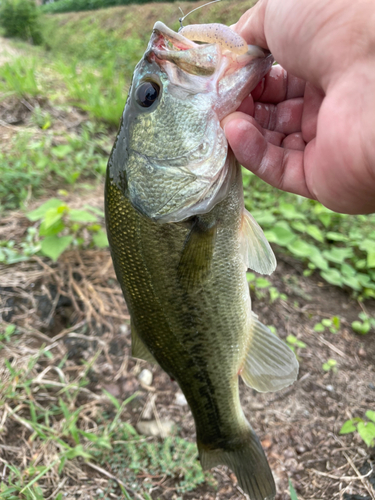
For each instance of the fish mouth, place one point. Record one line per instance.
(197, 58)
(167, 45)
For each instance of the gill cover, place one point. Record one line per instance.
(170, 155)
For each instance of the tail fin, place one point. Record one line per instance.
(248, 462)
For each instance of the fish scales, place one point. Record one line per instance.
(195, 323)
(181, 241)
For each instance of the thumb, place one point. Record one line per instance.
(251, 25)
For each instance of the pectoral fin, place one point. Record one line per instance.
(256, 250)
(139, 349)
(195, 263)
(269, 365)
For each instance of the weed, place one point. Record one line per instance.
(364, 324)
(59, 227)
(64, 434)
(262, 287)
(330, 366)
(333, 325)
(340, 247)
(366, 429)
(294, 343)
(19, 78)
(99, 92)
(132, 455)
(30, 165)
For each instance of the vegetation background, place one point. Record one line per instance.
(72, 401)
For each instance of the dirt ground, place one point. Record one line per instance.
(298, 426)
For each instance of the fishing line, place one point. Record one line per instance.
(184, 17)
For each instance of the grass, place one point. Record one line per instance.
(67, 427)
(19, 78)
(30, 165)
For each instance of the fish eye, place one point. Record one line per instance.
(147, 93)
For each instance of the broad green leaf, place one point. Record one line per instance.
(281, 234)
(299, 226)
(51, 230)
(81, 216)
(315, 233)
(370, 414)
(332, 276)
(371, 258)
(53, 215)
(291, 339)
(250, 277)
(348, 427)
(263, 218)
(319, 327)
(39, 212)
(355, 234)
(262, 283)
(367, 432)
(300, 248)
(367, 245)
(331, 235)
(100, 239)
(53, 246)
(317, 259)
(348, 270)
(361, 264)
(361, 328)
(326, 322)
(352, 282)
(338, 255)
(364, 279)
(325, 219)
(289, 211)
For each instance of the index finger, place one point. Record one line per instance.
(277, 86)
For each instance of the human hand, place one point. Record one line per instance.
(313, 133)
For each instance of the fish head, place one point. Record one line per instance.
(169, 158)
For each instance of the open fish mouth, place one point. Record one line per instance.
(174, 161)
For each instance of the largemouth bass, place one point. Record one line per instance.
(181, 241)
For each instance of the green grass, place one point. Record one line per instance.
(101, 91)
(30, 165)
(112, 32)
(19, 78)
(78, 5)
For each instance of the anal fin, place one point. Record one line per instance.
(139, 348)
(270, 365)
(256, 251)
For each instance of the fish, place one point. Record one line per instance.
(181, 240)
